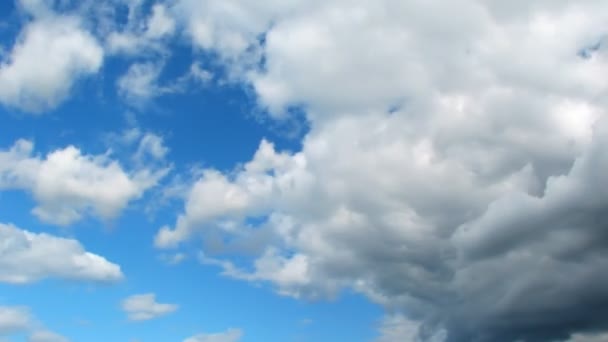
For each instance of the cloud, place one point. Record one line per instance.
(140, 83)
(46, 336)
(13, 319)
(151, 145)
(230, 335)
(397, 328)
(173, 259)
(70, 53)
(589, 338)
(26, 257)
(451, 170)
(160, 23)
(144, 307)
(68, 185)
(142, 35)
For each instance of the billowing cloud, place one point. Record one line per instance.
(27, 257)
(70, 53)
(452, 172)
(230, 335)
(144, 307)
(68, 184)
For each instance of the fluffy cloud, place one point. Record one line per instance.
(27, 257)
(70, 53)
(231, 335)
(144, 307)
(452, 170)
(68, 184)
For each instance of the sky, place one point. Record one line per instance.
(289, 170)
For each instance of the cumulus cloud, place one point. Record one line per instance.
(144, 307)
(26, 257)
(70, 53)
(452, 172)
(230, 335)
(68, 184)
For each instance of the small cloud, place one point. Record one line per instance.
(28, 257)
(46, 336)
(173, 259)
(144, 307)
(18, 320)
(14, 319)
(306, 321)
(230, 335)
(140, 83)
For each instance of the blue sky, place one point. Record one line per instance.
(374, 171)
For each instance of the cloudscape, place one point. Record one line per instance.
(303, 170)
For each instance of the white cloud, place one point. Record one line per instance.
(160, 23)
(13, 319)
(140, 82)
(199, 74)
(68, 184)
(230, 335)
(26, 257)
(142, 35)
(144, 307)
(451, 160)
(151, 145)
(70, 53)
(46, 336)
(173, 259)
